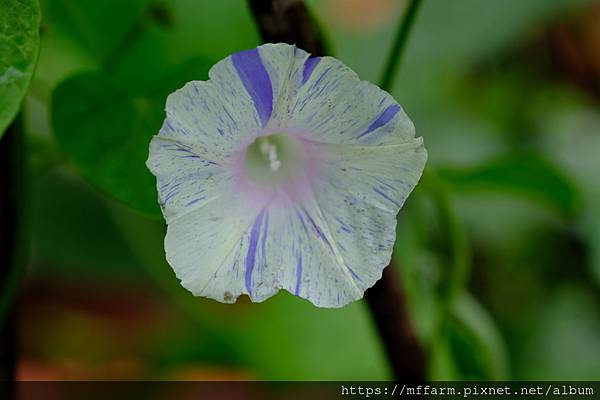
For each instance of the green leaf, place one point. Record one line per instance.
(105, 127)
(442, 365)
(19, 43)
(524, 174)
(106, 133)
(470, 348)
(98, 27)
(475, 342)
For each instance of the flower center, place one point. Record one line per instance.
(273, 159)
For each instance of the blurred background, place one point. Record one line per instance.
(498, 247)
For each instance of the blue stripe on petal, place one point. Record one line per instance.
(385, 117)
(385, 196)
(251, 256)
(317, 229)
(354, 274)
(255, 78)
(309, 66)
(298, 275)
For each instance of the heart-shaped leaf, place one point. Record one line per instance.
(105, 128)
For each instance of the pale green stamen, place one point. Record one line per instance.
(272, 159)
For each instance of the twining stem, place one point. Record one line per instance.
(289, 21)
(389, 73)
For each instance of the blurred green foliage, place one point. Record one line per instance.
(498, 248)
(528, 174)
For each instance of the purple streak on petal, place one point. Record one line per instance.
(298, 275)
(385, 117)
(317, 230)
(193, 202)
(385, 196)
(309, 66)
(251, 256)
(343, 226)
(302, 221)
(346, 229)
(170, 196)
(318, 81)
(354, 274)
(255, 78)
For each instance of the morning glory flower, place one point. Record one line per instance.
(282, 171)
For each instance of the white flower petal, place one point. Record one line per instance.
(318, 272)
(285, 65)
(206, 123)
(218, 115)
(326, 237)
(335, 106)
(204, 246)
(224, 250)
(187, 176)
(297, 254)
(361, 190)
(327, 102)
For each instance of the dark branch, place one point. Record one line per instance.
(289, 21)
(387, 302)
(11, 183)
